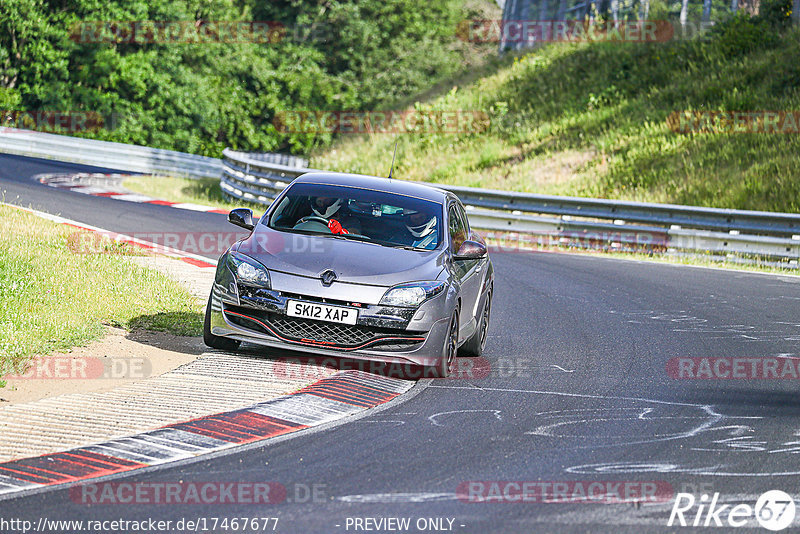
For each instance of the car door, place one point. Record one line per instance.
(468, 272)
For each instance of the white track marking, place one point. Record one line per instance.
(433, 417)
(392, 498)
(708, 424)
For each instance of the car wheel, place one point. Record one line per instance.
(216, 342)
(473, 348)
(449, 350)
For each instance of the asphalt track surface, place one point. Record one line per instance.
(578, 390)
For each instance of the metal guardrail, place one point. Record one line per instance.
(257, 177)
(132, 158)
(587, 222)
(721, 220)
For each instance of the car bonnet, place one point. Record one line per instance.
(352, 261)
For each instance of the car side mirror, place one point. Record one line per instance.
(242, 217)
(470, 250)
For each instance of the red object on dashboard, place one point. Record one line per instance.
(336, 227)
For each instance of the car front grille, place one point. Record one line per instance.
(333, 335)
(339, 334)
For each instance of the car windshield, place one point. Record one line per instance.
(386, 219)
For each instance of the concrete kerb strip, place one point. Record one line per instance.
(110, 186)
(344, 394)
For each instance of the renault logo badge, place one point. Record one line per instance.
(327, 277)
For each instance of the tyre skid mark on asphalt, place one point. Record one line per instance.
(392, 422)
(684, 322)
(433, 418)
(709, 423)
(395, 498)
(314, 405)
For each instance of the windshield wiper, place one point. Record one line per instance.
(293, 231)
(354, 237)
(366, 239)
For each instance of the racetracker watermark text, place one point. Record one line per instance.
(734, 368)
(457, 121)
(573, 491)
(80, 368)
(314, 367)
(65, 121)
(203, 493)
(734, 122)
(142, 32)
(570, 31)
(203, 243)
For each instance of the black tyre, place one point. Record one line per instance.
(474, 346)
(449, 351)
(216, 342)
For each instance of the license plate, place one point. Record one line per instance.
(321, 312)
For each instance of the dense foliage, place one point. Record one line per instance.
(203, 96)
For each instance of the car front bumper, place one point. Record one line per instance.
(411, 337)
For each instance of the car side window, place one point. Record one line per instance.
(458, 233)
(464, 220)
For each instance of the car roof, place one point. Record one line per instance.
(386, 185)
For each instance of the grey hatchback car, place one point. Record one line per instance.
(356, 266)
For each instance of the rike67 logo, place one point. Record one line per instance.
(774, 510)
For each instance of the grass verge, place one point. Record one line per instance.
(596, 120)
(53, 297)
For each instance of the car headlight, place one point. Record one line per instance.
(412, 294)
(248, 271)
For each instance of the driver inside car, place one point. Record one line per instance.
(332, 210)
(421, 228)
